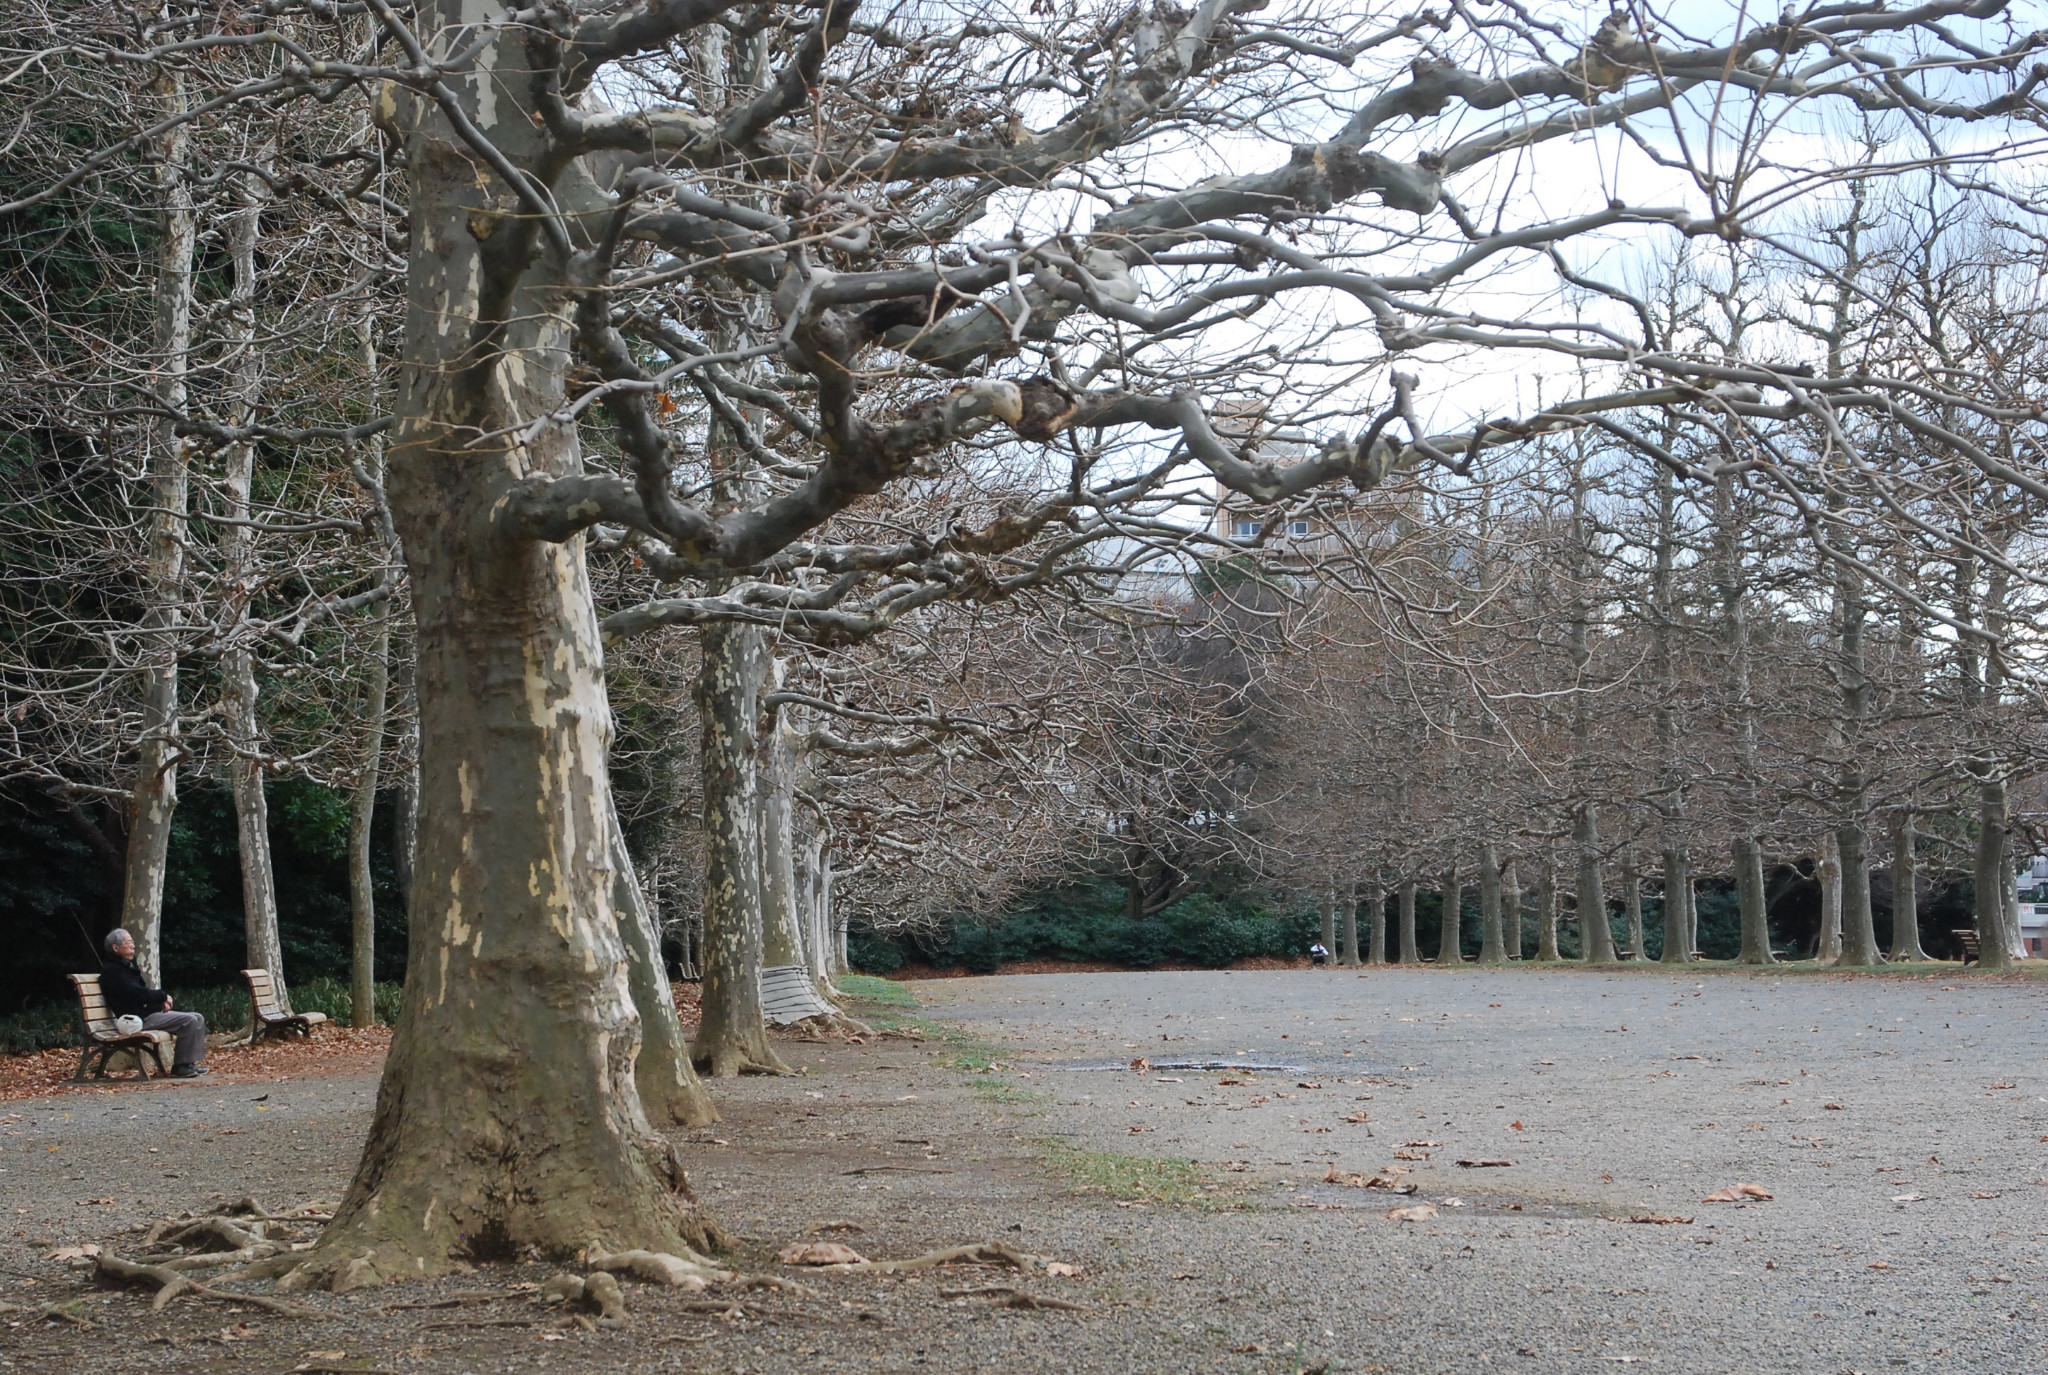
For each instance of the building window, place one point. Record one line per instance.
(1297, 527)
(1247, 529)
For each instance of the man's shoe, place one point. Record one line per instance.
(188, 1071)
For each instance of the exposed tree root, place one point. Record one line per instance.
(975, 1253)
(659, 1267)
(824, 1026)
(731, 1061)
(599, 1291)
(169, 1284)
(1012, 1297)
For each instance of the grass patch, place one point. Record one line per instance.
(991, 1090)
(1146, 1179)
(869, 989)
(969, 1052)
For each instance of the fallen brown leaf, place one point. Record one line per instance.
(1878, 1265)
(1414, 1212)
(1061, 1268)
(1482, 1164)
(820, 1253)
(1661, 1219)
(1735, 1193)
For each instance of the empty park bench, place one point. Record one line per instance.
(266, 1018)
(1966, 941)
(103, 1038)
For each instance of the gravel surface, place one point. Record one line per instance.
(1899, 1125)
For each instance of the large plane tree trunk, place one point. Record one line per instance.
(1546, 908)
(1347, 923)
(261, 947)
(1632, 904)
(1405, 916)
(1731, 581)
(1511, 910)
(1679, 936)
(1827, 867)
(1905, 891)
(154, 798)
(731, 1035)
(1596, 936)
(1491, 948)
(1449, 945)
(508, 1121)
(1375, 922)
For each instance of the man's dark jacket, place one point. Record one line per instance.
(126, 994)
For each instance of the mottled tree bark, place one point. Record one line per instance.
(1731, 582)
(1492, 949)
(731, 1036)
(1905, 891)
(362, 896)
(362, 811)
(1678, 932)
(1405, 915)
(261, 946)
(1326, 907)
(1859, 928)
(155, 796)
(1748, 857)
(1859, 931)
(1375, 922)
(1546, 908)
(1596, 935)
(1828, 869)
(508, 1120)
(1992, 872)
(1347, 923)
(1673, 769)
(782, 940)
(1511, 910)
(1450, 944)
(670, 1091)
(1632, 904)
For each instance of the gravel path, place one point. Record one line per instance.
(1905, 1233)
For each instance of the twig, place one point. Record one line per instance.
(170, 1284)
(1013, 1297)
(457, 1300)
(895, 1169)
(975, 1253)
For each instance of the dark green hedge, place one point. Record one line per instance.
(1087, 923)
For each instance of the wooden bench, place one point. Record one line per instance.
(1966, 940)
(266, 1018)
(102, 1039)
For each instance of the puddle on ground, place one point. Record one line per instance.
(1349, 1070)
(1347, 1198)
(1188, 1066)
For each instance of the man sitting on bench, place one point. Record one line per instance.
(127, 995)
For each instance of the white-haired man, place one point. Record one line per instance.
(128, 994)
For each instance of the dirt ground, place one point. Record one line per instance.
(1210, 1210)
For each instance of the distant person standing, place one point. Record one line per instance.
(129, 995)
(1318, 954)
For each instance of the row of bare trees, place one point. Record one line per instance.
(449, 392)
